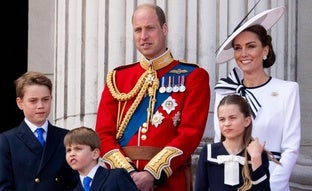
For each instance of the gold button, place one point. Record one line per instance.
(37, 180)
(143, 137)
(144, 130)
(274, 93)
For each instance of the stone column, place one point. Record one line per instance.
(80, 61)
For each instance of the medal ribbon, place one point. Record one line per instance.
(139, 115)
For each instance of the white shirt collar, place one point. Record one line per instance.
(34, 127)
(91, 173)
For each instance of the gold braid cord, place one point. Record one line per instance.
(116, 160)
(147, 83)
(123, 96)
(161, 162)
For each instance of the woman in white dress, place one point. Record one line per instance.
(274, 103)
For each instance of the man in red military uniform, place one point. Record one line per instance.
(153, 113)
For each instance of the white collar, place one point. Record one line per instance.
(34, 127)
(91, 173)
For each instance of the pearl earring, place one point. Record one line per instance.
(264, 57)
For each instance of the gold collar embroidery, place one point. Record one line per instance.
(159, 62)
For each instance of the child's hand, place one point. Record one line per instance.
(255, 150)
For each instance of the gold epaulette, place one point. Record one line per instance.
(161, 162)
(125, 66)
(117, 160)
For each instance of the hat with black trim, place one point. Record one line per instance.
(266, 18)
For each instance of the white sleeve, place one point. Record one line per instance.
(290, 142)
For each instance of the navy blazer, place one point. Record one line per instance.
(110, 180)
(26, 166)
(210, 174)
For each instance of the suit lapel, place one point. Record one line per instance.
(28, 138)
(79, 187)
(99, 179)
(52, 143)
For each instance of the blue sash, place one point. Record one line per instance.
(140, 114)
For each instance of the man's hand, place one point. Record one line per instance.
(143, 180)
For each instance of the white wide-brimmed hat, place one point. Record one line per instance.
(266, 18)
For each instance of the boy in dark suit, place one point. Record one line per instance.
(32, 155)
(82, 154)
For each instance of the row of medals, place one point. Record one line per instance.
(173, 85)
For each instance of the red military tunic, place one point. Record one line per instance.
(175, 127)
